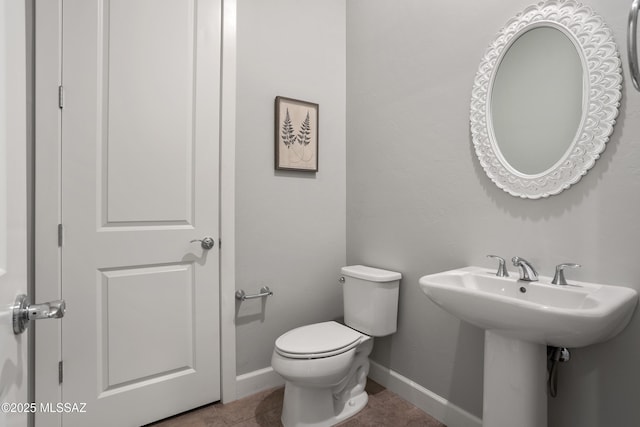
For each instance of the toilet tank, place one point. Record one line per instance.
(371, 299)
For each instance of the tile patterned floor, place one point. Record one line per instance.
(384, 409)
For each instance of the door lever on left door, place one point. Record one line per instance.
(24, 311)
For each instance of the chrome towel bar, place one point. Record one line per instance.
(264, 292)
(632, 48)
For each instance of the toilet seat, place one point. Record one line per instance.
(319, 340)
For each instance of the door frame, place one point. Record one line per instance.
(48, 17)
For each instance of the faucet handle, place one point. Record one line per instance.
(558, 278)
(502, 269)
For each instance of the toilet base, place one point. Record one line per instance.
(315, 407)
(353, 406)
(309, 406)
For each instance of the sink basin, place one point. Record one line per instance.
(575, 315)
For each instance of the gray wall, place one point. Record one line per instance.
(418, 201)
(290, 225)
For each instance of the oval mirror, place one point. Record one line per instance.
(545, 99)
(536, 100)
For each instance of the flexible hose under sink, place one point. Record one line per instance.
(555, 355)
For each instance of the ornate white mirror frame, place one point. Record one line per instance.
(602, 77)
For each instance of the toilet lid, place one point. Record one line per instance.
(317, 340)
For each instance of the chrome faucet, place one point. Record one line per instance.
(527, 272)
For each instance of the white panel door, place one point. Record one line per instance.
(13, 210)
(140, 146)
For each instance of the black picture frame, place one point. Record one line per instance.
(296, 135)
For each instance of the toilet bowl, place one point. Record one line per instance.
(326, 384)
(325, 365)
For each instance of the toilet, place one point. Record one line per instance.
(325, 365)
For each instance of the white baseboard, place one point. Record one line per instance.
(433, 404)
(256, 381)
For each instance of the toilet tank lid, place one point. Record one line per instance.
(369, 273)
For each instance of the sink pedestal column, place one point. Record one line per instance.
(515, 388)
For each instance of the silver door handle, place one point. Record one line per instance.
(206, 243)
(24, 311)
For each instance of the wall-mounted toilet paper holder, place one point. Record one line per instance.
(264, 292)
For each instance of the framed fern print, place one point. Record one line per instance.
(296, 135)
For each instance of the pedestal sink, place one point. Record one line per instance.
(520, 319)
